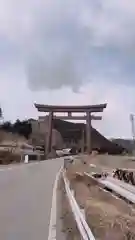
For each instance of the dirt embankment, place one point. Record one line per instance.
(111, 162)
(10, 147)
(107, 216)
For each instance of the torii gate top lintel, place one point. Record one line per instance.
(64, 108)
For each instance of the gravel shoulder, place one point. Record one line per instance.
(67, 222)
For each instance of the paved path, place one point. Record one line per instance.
(26, 199)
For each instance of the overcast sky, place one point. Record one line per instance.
(69, 52)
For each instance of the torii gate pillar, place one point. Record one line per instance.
(49, 138)
(88, 132)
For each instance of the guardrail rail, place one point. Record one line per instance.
(117, 187)
(84, 229)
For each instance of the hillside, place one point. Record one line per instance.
(73, 132)
(65, 134)
(126, 143)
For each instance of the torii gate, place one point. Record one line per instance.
(88, 109)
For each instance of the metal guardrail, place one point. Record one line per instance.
(117, 188)
(126, 186)
(85, 232)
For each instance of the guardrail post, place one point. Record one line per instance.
(64, 163)
(73, 192)
(26, 159)
(83, 212)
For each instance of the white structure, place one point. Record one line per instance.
(26, 159)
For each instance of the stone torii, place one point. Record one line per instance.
(87, 109)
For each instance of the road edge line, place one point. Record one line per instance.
(52, 225)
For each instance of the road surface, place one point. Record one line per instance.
(26, 199)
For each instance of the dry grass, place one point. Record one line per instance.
(10, 137)
(10, 147)
(7, 157)
(111, 162)
(108, 222)
(108, 217)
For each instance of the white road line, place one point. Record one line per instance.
(14, 167)
(52, 225)
(5, 169)
(92, 165)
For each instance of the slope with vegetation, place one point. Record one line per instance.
(66, 134)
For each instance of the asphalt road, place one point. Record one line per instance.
(26, 199)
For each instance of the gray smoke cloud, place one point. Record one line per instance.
(71, 42)
(79, 41)
(59, 57)
(49, 44)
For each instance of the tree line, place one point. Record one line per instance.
(22, 128)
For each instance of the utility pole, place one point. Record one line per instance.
(1, 116)
(132, 125)
(133, 130)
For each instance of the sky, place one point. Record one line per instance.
(69, 52)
